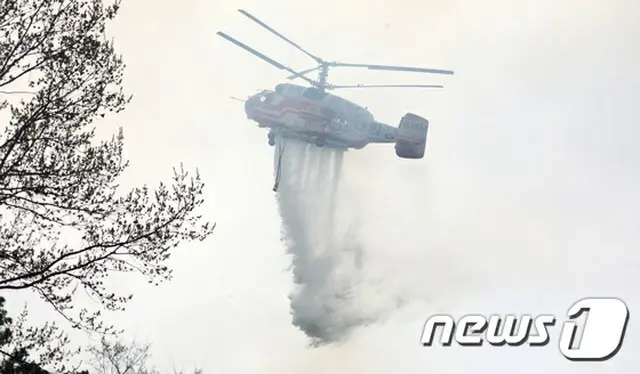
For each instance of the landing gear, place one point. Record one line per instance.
(272, 139)
(320, 142)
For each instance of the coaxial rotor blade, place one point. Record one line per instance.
(291, 42)
(262, 56)
(389, 86)
(304, 72)
(395, 68)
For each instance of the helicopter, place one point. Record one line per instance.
(311, 114)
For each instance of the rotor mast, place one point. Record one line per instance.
(323, 68)
(323, 76)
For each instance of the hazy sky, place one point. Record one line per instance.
(529, 186)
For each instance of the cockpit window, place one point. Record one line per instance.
(266, 98)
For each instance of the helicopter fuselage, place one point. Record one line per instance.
(316, 116)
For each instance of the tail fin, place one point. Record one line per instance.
(411, 140)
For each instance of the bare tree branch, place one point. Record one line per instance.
(119, 358)
(65, 222)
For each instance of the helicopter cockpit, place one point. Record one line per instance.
(264, 96)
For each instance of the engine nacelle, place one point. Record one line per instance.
(411, 140)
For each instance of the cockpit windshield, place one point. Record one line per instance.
(265, 97)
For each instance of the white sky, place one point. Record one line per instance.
(531, 172)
